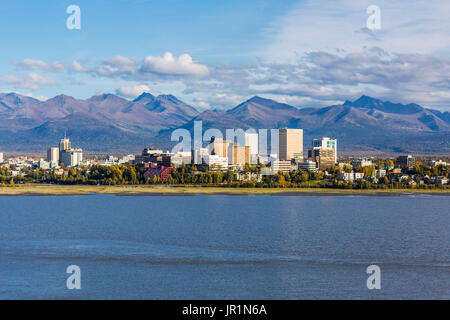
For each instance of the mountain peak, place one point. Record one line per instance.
(106, 96)
(366, 102)
(363, 102)
(259, 103)
(168, 97)
(258, 99)
(145, 96)
(18, 99)
(62, 98)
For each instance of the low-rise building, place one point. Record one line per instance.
(307, 166)
(439, 180)
(396, 171)
(181, 158)
(351, 176)
(161, 172)
(154, 156)
(248, 176)
(283, 166)
(435, 163)
(380, 173)
(216, 162)
(44, 165)
(363, 162)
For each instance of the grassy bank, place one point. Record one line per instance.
(36, 190)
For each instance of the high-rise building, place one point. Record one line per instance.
(219, 147)
(251, 140)
(198, 155)
(66, 155)
(64, 145)
(72, 157)
(290, 144)
(1, 157)
(405, 161)
(326, 143)
(323, 157)
(238, 155)
(53, 155)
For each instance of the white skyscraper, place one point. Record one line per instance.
(199, 154)
(53, 155)
(1, 157)
(326, 143)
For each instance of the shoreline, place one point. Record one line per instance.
(140, 190)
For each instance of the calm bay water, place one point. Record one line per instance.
(225, 247)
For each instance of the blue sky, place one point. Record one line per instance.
(214, 54)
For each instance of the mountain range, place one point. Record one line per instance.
(109, 123)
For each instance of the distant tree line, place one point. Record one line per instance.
(186, 175)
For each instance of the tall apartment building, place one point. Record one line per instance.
(67, 156)
(238, 155)
(326, 143)
(64, 145)
(323, 157)
(1, 157)
(219, 147)
(290, 144)
(198, 155)
(53, 155)
(405, 161)
(72, 157)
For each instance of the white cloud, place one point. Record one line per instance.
(31, 64)
(168, 64)
(133, 91)
(415, 26)
(117, 65)
(77, 67)
(31, 81)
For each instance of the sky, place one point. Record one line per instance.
(217, 54)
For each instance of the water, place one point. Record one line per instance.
(225, 247)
